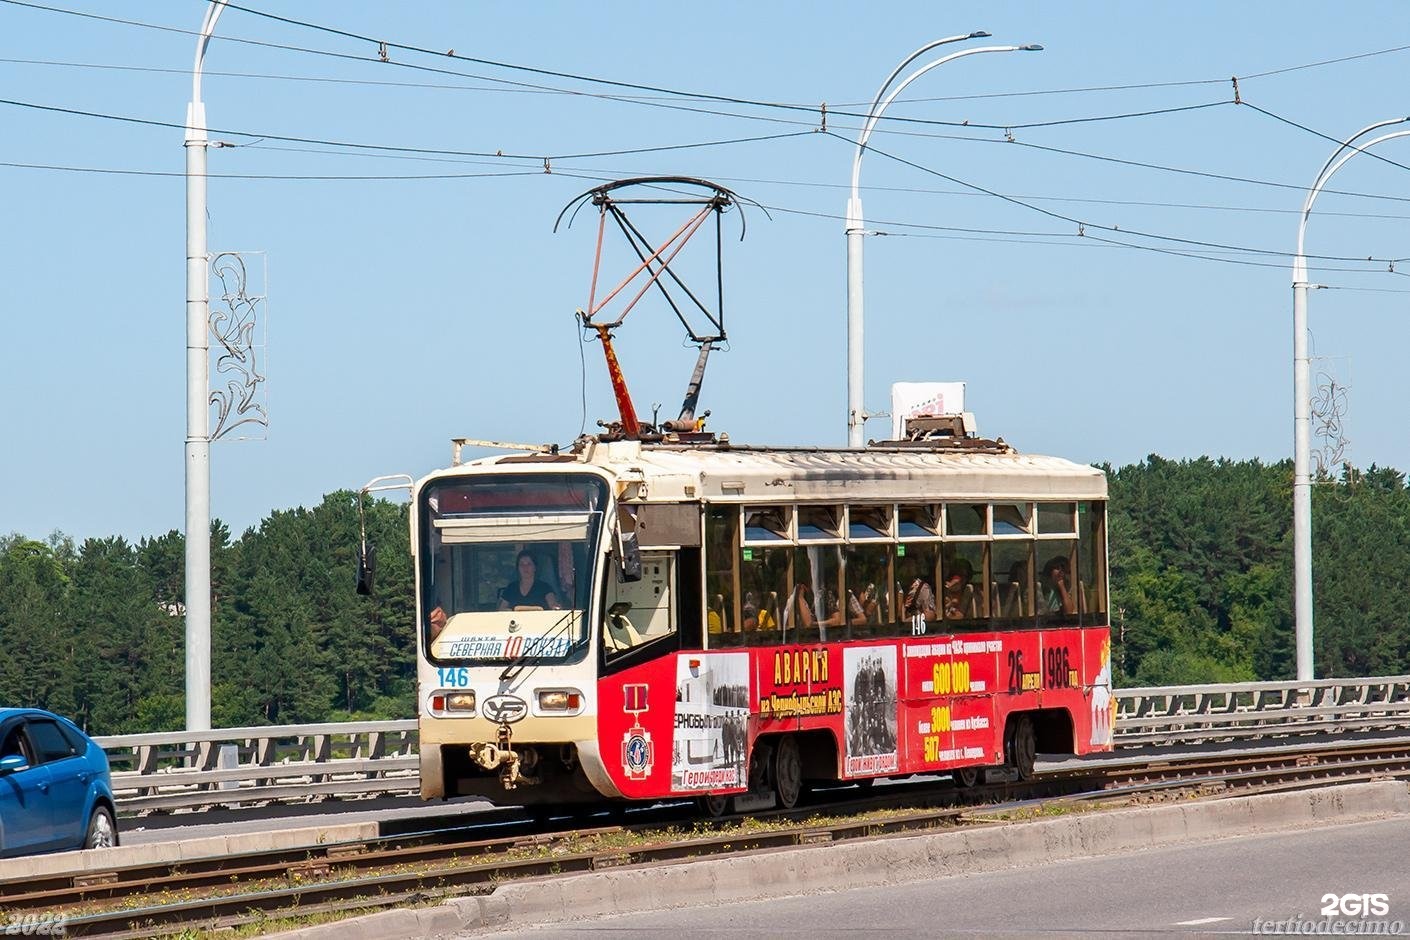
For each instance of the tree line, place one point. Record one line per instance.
(1201, 591)
(96, 630)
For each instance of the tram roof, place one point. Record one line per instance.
(855, 475)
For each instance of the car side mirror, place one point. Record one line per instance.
(13, 764)
(366, 566)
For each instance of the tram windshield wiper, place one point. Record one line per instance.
(516, 665)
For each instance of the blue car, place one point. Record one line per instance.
(55, 790)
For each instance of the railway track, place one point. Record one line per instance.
(331, 880)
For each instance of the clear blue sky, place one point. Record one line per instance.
(407, 312)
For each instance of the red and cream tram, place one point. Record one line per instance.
(642, 621)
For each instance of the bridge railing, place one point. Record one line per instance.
(299, 763)
(1172, 715)
(282, 763)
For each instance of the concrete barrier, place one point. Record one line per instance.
(156, 853)
(783, 872)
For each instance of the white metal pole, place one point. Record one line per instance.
(856, 413)
(855, 419)
(1302, 478)
(198, 480)
(1302, 406)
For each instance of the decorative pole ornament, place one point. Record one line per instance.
(239, 327)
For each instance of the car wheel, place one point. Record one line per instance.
(102, 831)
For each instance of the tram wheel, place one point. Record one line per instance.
(1021, 748)
(788, 772)
(968, 777)
(716, 806)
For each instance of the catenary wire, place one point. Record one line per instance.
(697, 96)
(919, 190)
(1082, 224)
(1327, 137)
(401, 149)
(678, 93)
(115, 171)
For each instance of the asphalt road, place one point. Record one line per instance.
(1228, 886)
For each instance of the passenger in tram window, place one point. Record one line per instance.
(437, 619)
(918, 601)
(957, 575)
(1057, 593)
(768, 619)
(862, 610)
(799, 612)
(833, 609)
(750, 612)
(716, 616)
(527, 592)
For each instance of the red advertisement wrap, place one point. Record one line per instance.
(685, 724)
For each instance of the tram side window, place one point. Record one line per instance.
(722, 618)
(966, 519)
(915, 582)
(1012, 518)
(1056, 518)
(917, 522)
(1059, 587)
(1091, 568)
(1012, 587)
(641, 612)
(868, 576)
(763, 585)
(966, 593)
(813, 612)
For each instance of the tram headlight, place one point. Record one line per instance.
(460, 701)
(560, 700)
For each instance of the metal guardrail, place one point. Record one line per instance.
(1175, 715)
(301, 763)
(281, 763)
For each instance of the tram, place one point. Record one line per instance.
(643, 621)
(659, 613)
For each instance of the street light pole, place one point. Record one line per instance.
(198, 475)
(856, 415)
(1302, 403)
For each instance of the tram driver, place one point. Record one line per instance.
(526, 591)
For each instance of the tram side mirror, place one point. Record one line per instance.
(628, 551)
(366, 566)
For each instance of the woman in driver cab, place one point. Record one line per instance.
(527, 591)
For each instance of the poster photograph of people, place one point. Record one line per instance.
(712, 714)
(869, 676)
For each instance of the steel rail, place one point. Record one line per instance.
(352, 876)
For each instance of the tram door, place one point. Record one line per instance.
(639, 612)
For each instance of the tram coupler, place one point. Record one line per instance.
(501, 756)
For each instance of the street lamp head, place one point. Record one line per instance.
(979, 34)
(1031, 47)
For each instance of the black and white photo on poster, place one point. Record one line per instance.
(712, 715)
(869, 685)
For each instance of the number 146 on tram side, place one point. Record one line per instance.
(646, 621)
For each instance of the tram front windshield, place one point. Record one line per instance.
(507, 565)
